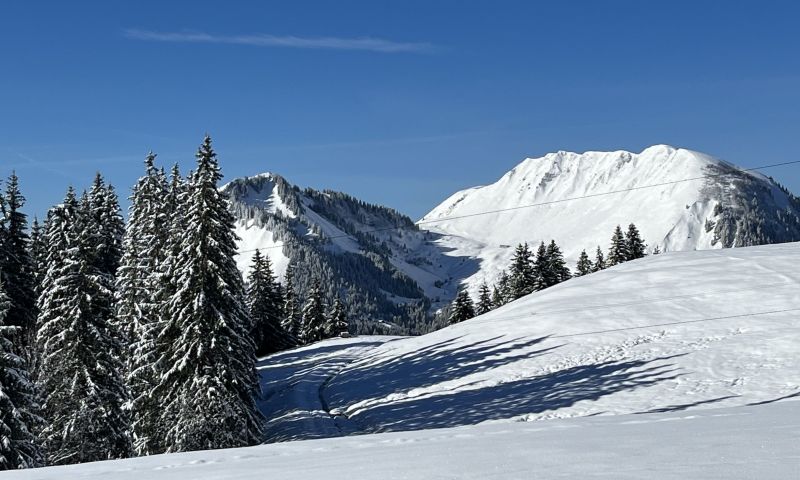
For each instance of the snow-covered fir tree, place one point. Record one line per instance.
(462, 307)
(504, 290)
(541, 268)
(523, 276)
(336, 320)
(19, 402)
(138, 312)
(80, 369)
(585, 265)
(265, 304)
(38, 253)
(313, 318)
(103, 205)
(291, 308)
(484, 304)
(599, 260)
(618, 251)
(635, 243)
(557, 269)
(497, 298)
(209, 382)
(17, 270)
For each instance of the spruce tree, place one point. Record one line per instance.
(38, 253)
(541, 268)
(523, 275)
(336, 321)
(462, 307)
(209, 381)
(618, 252)
(138, 312)
(504, 290)
(497, 297)
(635, 244)
(599, 260)
(557, 270)
(80, 370)
(103, 205)
(19, 402)
(584, 266)
(484, 304)
(265, 305)
(313, 318)
(291, 309)
(17, 271)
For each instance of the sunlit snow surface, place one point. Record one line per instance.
(581, 197)
(711, 392)
(736, 443)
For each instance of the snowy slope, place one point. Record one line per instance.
(676, 215)
(710, 328)
(681, 365)
(738, 443)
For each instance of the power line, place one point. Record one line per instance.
(550, 202)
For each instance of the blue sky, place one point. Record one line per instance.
(399, 103)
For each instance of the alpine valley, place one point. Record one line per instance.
(396, 272)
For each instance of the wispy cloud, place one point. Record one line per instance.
(265, 40)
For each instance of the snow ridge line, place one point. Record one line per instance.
(550, 202)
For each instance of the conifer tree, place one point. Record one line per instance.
(584, 266)
(541, 268)
(504, 291)
(313, 318)
(103, 205)
(291, 309)
(462, 307)
(484, 304)
(497, 298)
(18, 401)
(265, 305)
(17, 271)
(635, 244)
(599, 260)
(209, 380)
(523, 275)
(618, 252)
(138, 312)
(557, 270)
(336, 321)
(38, 254)
(79, 374)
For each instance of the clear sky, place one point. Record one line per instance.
(399, 103)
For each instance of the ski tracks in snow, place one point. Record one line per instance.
(293, 388)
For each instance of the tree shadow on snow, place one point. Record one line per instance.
(428, 366)
(512, 399)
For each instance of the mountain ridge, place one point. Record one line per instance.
(680, 199)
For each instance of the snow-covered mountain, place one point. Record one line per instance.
(719, 206)
(396, 271)
(391, 272)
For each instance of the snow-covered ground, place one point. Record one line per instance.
(735, 443)
(710, 328)
(681, 365)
